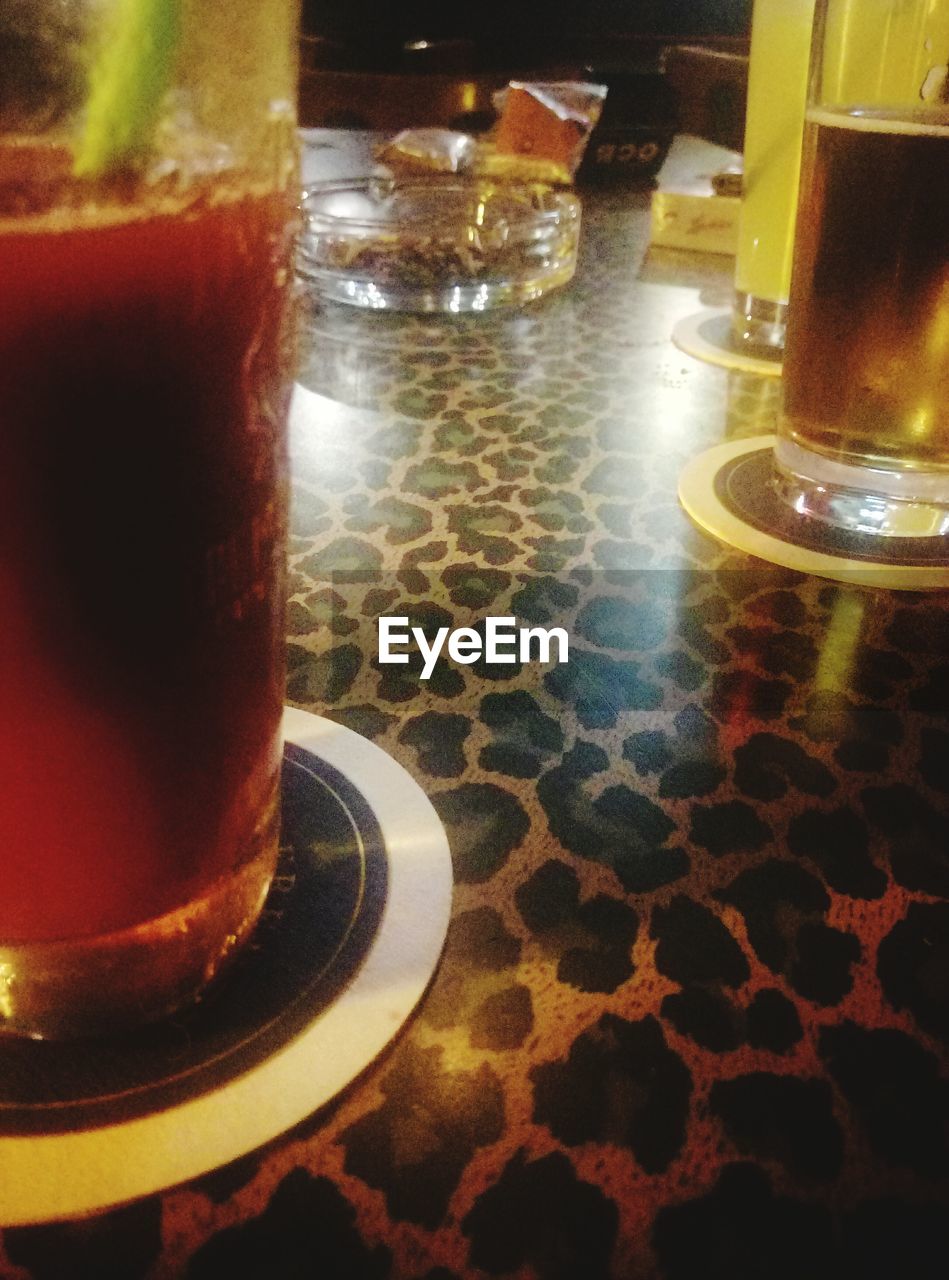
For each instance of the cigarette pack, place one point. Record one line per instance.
(687, 213)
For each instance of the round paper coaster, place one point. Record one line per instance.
(727, 490)
(707, 335)
(348, 941)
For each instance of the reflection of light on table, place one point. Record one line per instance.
(325, 437)
(325, 421)
(835, 662)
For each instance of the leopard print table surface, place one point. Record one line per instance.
(692, 1012)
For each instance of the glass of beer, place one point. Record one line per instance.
(863, 441)
(777, 90)
(147, 193)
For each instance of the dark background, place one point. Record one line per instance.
(529, 33)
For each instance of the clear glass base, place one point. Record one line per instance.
(759, 325)
(96, 985)
(456, 299)
(895, 504)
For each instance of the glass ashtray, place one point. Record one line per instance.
(437, 245)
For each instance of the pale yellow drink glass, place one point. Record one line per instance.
(777, 89)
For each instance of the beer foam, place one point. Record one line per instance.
(928, 126)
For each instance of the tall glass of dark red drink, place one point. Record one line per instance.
(144, 377)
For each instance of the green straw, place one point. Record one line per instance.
(127, 83)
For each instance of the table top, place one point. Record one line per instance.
(691, 1015)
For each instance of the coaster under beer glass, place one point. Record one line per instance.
(863, 440)
(777, 84)
(147, 188)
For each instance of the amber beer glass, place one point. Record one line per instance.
(864, 437)
(147, 186)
